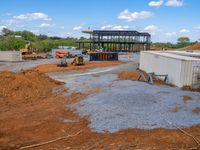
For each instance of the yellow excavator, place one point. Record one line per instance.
(28, 49)
(78, 60)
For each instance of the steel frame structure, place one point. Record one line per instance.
(117, 41)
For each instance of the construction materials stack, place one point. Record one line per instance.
(103, 56)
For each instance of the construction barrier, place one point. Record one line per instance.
(104, 56)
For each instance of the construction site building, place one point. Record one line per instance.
(116, 41)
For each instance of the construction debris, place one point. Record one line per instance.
(103, 56)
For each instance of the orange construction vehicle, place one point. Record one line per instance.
(62, 54)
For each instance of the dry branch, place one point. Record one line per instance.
(186, 133)
(52, 141)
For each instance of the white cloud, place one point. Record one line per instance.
(78, 28)
(69, 34)
(44, 25)
(152, 29)
(170, 34)
(8, 14)
(184, 31)
(120, 27)
(62, 27)
(107, 27)
(133, 16)
(114, 27)
(1, 27)
(156, 3)
(174, 3)
(198, 28)
(32, 16)
(37, 32)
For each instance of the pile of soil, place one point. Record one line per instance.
(27, 86)
(196, 110)
(53, 68)
(186, 98)
(32, 110)
(134, 75)
(28, 105)
(195, 46)
(189, 88)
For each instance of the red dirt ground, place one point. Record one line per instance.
(53, 68)
(32, 109)
(195, 46)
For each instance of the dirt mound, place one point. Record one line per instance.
(195, 46)
(196, 110)
(186, 98)
(53, 68)
(24, 86)
(134, 75)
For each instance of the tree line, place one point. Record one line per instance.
(16, 40)
(181, 43)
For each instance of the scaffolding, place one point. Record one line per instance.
(117, 41)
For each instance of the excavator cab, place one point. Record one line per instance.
(27, 50)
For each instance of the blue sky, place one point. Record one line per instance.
(166, 20)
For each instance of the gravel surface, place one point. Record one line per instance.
(129, 104)
(132, 104)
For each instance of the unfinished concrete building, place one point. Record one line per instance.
(117, 41)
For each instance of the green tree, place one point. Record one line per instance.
(183, 42)
(6, 32)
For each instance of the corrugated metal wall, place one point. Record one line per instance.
(196, 75)
(186, 73)
(162, 66)
(180, 72)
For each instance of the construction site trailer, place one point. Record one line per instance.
(11, 56)
(181, 70)
(103, 56)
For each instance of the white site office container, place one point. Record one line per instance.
(12, 56)
(181, 70)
